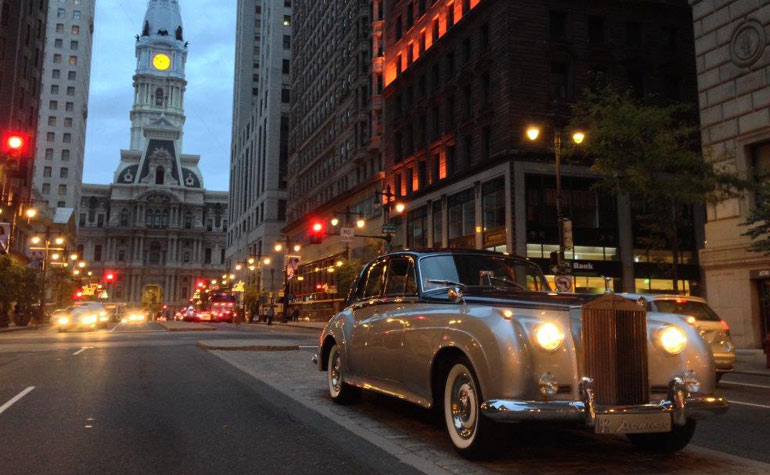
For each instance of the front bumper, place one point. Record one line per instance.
(724, 362)
(681, 404)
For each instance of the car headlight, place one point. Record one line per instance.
(672, 339)
(103, 318)
(63, 320)
(140, 317)
(89, 319)
(548, 336)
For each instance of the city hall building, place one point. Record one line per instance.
(732, 53)
(155, 227)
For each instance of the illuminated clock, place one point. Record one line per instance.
(161, 62)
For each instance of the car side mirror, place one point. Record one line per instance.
(455, 294)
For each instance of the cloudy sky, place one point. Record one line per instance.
(210, 29)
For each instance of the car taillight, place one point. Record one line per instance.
(725, 326)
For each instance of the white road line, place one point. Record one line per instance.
(115, 327)
(740, 403)
(15, 399)
(305, 346)
(745, 384)
(82, 350)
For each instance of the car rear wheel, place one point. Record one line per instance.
(667, 442)
(340, 392)
(472, 433)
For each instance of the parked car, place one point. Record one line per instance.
(76, 318)
(480, 337)
(696, 312)
(134, 316)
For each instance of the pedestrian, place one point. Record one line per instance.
(295, 315)
(237, 317)
(270, 314)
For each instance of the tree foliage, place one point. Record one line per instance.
(19, 288)
(651, 152)
(758, 220)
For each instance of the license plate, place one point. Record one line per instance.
(632, 423)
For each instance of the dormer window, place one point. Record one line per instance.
(160, 174)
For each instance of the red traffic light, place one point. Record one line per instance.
(109, 277)
(317, 232)
(15, 142)
(200, 284)
(79, 294)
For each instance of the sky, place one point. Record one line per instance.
(210, 28)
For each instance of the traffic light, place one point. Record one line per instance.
(13, 143)
(317, 232)
(109, 277)
(200, 284)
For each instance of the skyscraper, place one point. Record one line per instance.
(260, 139)
(61, 133)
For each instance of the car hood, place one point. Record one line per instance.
(527, 299)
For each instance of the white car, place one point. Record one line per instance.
(102, 316)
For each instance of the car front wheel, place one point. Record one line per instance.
(340, 392)
(667, 442)
(472, 433)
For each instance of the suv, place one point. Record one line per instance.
(696, 312)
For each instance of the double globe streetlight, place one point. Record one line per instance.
(578, 137)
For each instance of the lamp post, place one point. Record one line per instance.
(52, 249)
(533, 133)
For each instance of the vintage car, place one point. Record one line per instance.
(696, 312)
(480, 337)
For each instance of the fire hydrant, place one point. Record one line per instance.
(767, 349)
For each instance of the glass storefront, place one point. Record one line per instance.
(493, 217)
(417, 228)
(461, 209)
(437, 223)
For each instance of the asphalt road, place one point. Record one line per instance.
(141, 400)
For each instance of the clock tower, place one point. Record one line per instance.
(159, 81)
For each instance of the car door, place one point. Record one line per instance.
(366, 309)
(386, 331)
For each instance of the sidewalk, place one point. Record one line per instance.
(186, 327)
(14, 328)
(751, 362)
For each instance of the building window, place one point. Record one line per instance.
(64, 172)
(437, 223)
(159, 97)
(53, 105)
(462, 220)
(50, 136)
(100, 221)
(73, 60)
(76, 15)
(207, 256)
(560, 80)
(51, 121)
(98, 253)
(75, 29)
(71, 75)
(82, 221)
(67, 138)
(69, 107)
(450, 16)
(54, 89)
(71, 91)
(557, 25)
(160, 174)
(285, 95)
(47, 172)
(286, 42)
(595, 30)
(74, 45)
(60, 28)
(286, 67)
(46, 188)
(56, 73)
(65, 155)
(68, 122)
(417, 228)
(49, 154)
(61, 13)
(493, 212)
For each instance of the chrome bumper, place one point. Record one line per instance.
(681, 404)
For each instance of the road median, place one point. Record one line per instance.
(186, 327)
(248, 345)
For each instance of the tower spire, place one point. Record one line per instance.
(163, 19)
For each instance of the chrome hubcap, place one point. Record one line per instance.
(463, 406)
(334, 373)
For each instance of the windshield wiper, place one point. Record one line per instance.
(448, 283)
(504, 280)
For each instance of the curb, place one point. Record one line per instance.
(18, 329)
(206, 346)
(293, 325)
(752, 373)
(191, 329)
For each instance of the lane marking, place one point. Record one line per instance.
(15, 399)
(305, 346)
(746, 384)
(741, 403)
(82, 350)
(115, 327)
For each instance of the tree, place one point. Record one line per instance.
(758, 221)
(652, 152)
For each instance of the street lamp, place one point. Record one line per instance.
(297, 248)
(35, 240)
(73, 257)
(360, 223)
(59, 241)
(278, 247)
(31, 213)
(335, 221)
(578, 137)
(400, 207)
(82, 264)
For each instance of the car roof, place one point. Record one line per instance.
(422, 252)
(652, 297)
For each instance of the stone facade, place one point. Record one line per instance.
(260, 139)
(733, 63)
(61, 137)
(155, 227)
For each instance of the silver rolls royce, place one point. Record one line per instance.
(480, 337)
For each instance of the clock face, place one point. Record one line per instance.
(161, 62)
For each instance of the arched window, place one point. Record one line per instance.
(124, 217)
(160, 174)
(159, 96)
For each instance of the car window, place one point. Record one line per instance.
(480, 271)
(375, 279)
(691, 308)
(401, 280)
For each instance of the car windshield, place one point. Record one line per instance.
(699, 310)
(481, 271)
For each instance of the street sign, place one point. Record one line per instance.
(292, 266)
(563, 283)
(347, 234)
(567, 230)
(388, 228)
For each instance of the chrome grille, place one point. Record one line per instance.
(614, 333)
